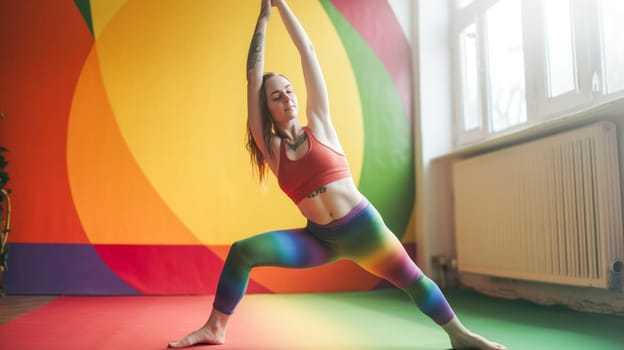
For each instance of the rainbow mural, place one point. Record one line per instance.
(125, 128)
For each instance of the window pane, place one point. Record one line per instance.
(463, 3)
(470, 79)
(561, 70)
(506, 64)
(612, 29)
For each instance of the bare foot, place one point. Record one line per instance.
(470, 340)
(462, 338)
(212, 333)
(203, 335)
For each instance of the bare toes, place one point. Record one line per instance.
(200, 336)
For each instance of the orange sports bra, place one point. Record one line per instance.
(319, 166)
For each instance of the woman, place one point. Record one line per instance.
(311, 168)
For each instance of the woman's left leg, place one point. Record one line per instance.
(391, 262)
(369, 242)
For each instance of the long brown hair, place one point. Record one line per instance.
(268, 130)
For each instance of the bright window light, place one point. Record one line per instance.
(559, 47)
(612, 29)
(471, 96)
(463, 3)
(506, 65)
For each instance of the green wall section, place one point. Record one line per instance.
(387, 177)
(84, 6)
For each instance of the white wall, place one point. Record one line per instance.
(431, 54)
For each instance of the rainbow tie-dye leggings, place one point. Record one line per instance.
(360, 236)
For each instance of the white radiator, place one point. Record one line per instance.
(547, 210)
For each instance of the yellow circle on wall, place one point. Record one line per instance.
(174, 76)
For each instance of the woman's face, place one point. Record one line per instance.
(281, 99)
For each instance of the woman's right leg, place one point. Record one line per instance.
(286, 248)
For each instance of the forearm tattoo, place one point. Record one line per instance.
(255, 51)
(317, 192)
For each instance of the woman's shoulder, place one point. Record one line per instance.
(326, 135)
(272, 158)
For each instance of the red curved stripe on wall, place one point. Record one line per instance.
(43, 45)
(377, 24)
(168, 269)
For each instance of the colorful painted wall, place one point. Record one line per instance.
(125, 124)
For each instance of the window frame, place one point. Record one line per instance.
(545, 107)
(590, 80)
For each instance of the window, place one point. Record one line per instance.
(613, 45)
(463, 3)
(471, 103)
(523, 62)
(506, 64)
(559, 46)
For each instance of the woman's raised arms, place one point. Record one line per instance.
(255, 71)
(317, 108)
